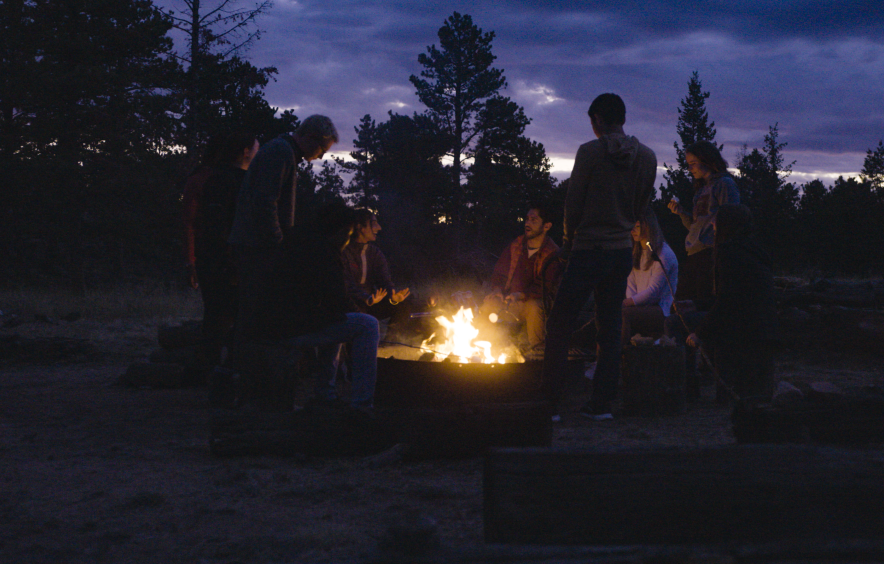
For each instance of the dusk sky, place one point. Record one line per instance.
(814, 67)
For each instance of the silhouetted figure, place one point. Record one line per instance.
(610, 188)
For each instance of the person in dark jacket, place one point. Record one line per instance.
(742, 323)
(610, 188)
(265, 215)
(215, 267)
(367, 272)
(311, 307)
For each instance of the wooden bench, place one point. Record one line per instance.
(740, 493)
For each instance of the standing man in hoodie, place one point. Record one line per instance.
(610, 187)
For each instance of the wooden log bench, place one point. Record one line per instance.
(732, 494)
(821, 417)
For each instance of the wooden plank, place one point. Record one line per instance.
(838, 552)
(740, 493)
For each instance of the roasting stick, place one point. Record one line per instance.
(409, 346)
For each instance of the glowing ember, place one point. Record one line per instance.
(460, 344)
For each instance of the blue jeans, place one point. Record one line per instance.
(361, 331)
(603, 272)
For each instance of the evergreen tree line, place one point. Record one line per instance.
(102, 117)
(810, 229)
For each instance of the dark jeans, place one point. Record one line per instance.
(256, 268)
(361, 332)
(220, 298)
(696, 277)
(647, 320)
(604, 273)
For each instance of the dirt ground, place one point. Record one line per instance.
(96, 472)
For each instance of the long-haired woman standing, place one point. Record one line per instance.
(713, 187)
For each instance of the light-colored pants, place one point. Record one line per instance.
(528, 312)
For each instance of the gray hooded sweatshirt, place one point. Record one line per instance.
(610, 187)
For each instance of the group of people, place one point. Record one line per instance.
(614, 249)
(320, 283)
(315, 284)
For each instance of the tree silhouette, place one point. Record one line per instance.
(216, 33)
(456, 82)
(510, 171)
(873, 168)
(773, 201)
(693, 125)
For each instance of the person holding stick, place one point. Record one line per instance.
(742, 324)
(652, 281)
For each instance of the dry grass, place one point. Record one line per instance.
(147, 301)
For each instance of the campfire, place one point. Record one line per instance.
(460, 344)
(456, 340)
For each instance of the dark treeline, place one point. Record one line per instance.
(810, 229)
(102, 118)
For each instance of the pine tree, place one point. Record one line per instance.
(693, 125)
(455, 84)
(764, 189)
(873, 168)
(218, 84)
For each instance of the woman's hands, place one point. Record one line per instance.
(376, 297)
(397, 297)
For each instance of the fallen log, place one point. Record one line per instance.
(427, 433)
(741, 493)
(468, 430)
(831, 552)
(866, 294)
(833, 328)
(187, 334)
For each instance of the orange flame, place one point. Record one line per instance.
(460, 344)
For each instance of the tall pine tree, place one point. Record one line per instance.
(693, 125)
(455, 84)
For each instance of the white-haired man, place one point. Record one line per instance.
(265, 215)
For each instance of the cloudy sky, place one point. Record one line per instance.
(814, 67)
